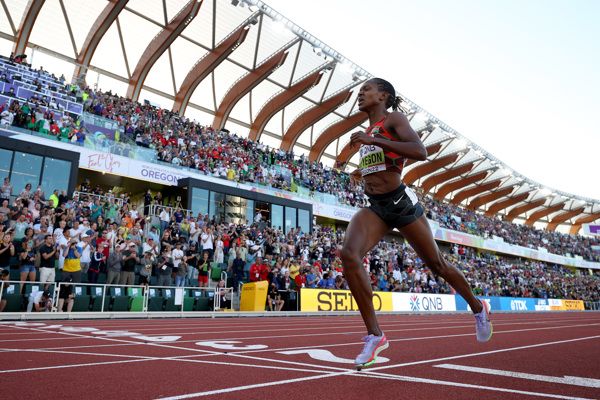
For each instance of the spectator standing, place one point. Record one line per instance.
(72, 261)
(86, 252)
(147, 202)
(96, 266)
(7, 250)
(65, 295)
(165, 219)
(27, 263)
(130, 259)
(203, 270)
(164, 271)
(7, 189)
(148, 265)
(207, 241)
(114, 265)
(48, 258)
(191, 259)
(237, 270)
(4, 276)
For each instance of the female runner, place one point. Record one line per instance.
(383, 149)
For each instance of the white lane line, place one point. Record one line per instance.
(178, 358)
(370, 375)
(256, 386)
(470, 386)
(564, 380)
(6, 371)
(485, 353)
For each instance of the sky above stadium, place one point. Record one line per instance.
(520, 78)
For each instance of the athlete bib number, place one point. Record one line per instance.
(372, 159)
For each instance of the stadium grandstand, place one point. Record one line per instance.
(168, 157)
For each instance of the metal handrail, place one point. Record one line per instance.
(145, 290)
(155, 209)
(117, 200)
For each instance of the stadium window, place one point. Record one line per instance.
(276, 216)
(304, 220)
(290, 218)
(5, 160)
(55, 175)
(199, 201)
(26, 169)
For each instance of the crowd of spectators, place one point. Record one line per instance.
(460, 219)
(103, 238)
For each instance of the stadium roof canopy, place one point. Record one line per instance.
(240, 65)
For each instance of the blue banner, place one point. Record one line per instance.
(493, 303)
(507, 304)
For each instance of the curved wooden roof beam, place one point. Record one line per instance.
(159, 44)
(205, 66)
(333, 132)
(516, 211)
(489, 197)
(311, 116)
(104, 21)
(458, 184)
(244, 85)
(562, 217)
(505, 203)
(474, 191)
(427, 167)
(536, 216)
(30, 14)
(279, 101)
(431, 150)
(583, 220)
(445, 176)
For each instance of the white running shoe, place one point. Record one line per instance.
(483, 326)
(373, 346)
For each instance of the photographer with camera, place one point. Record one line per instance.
(274, 300)
(149, 264)
(130, 259)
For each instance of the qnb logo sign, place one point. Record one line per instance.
(414, 303)
(426, 303)
(518, 305)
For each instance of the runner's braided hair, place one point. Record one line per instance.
(392, 100)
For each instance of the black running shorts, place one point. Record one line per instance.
(397, 208)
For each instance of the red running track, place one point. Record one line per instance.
(530, 356)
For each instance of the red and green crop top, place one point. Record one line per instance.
(374, 158)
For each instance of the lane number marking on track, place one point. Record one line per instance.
(326, 355)
(230, 345)
(95, 331)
